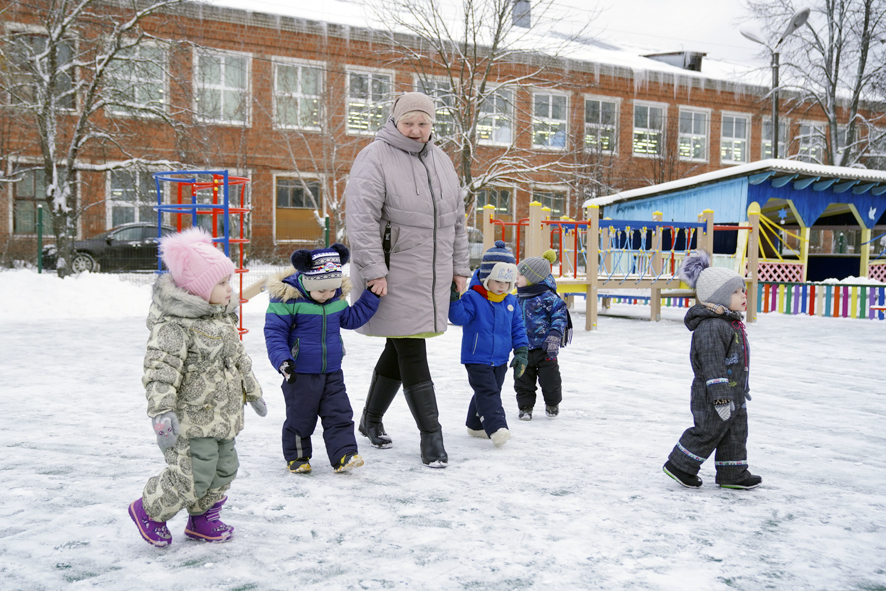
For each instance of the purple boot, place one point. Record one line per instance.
(209, 527)
(154, 532)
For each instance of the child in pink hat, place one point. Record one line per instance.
(197, 379)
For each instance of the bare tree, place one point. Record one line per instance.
(837, 63)
(82, 61)
(476, 62)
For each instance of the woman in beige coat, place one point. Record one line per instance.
(406, 225)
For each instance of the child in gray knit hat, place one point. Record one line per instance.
(546, 319)
(720, 356)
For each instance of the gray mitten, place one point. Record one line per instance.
(552, 344)
(259, 406)
(724, 408)
(166, 427)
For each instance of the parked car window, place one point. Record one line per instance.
(128, 234)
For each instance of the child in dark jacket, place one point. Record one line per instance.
(307, 309)
(546, 319)
(493, 327)
(720, 357)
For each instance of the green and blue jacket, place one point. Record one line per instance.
(306, 332)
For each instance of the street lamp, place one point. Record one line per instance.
(798, 20)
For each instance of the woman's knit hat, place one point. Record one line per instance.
(194, 262)
(713, 285)
(413, 101)
(537, 269)
(321, 268)
(499, 253)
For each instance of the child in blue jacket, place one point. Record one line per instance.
(307, 309)
(493, 326)
(546, 319)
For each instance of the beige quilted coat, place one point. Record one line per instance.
(196, 364)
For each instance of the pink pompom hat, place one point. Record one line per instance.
(194, 262)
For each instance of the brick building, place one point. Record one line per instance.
(289, 102)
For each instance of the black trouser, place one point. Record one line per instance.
(404, 360)
(547, 372)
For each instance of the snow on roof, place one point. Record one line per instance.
(556, 30)
(778, 166)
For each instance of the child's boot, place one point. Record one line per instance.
(154, 532)
(684, 478)
(209, 527)
(500, 437)
(349, 462)
(525, 413)
(751, 481)
(552, 410)
(299, 466)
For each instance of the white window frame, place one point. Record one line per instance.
(383, 105)
(13, 163)
(135, 81)
(807, 142)
(110, 202)
(198, 53)
(784, 128)
(693, 135)
(27, 29)
(599, 126)
(552, 189)
(648, 130)
(307, 177)
(276, 62)
(497, 115)
(444, 114)
(732, 139)
(550, 120)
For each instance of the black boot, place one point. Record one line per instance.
(423, 404)
(382, 391)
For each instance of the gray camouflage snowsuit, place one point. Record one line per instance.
(720, 356)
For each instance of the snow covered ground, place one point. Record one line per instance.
(579, 502)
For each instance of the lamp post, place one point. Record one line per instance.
(798, 20)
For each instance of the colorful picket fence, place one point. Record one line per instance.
(822, 299)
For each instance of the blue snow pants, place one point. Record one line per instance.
(485, 410)
(316, 395)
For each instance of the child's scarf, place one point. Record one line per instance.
(492, 297)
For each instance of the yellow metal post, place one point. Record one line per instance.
(591, 241)
(488, 227)
(753, 255)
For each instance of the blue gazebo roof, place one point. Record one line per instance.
(807, 190)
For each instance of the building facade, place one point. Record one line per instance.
(288, 103)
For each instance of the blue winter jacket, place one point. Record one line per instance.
(299, 329)
(491, 329)
(543, 311)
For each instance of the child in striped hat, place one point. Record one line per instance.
(307, 310)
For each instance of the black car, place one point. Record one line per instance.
(129, 247)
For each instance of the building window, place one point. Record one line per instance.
(693, 135)
(222, 88)
(441, 92)
(783, 127)
(648, 130)
(295, 193)
(500, 199)
(28, 193)
(601, 131)
(548, 120)
(734, 139)
(137, 80)
(495, 119)
(133, 195)
(554, 200)
(25, 72)
(297, 96)
(367, 94)
(811, 142)
(877, 148)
